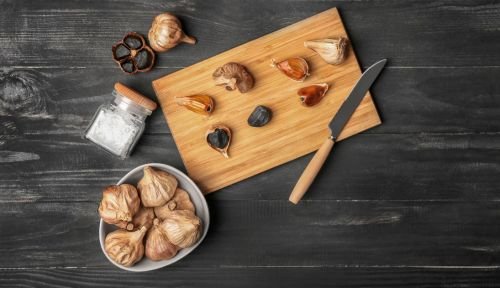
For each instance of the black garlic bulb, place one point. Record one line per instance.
(260, 116)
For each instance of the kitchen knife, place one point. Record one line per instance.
(338, 122)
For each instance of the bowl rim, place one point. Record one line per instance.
(206, 222)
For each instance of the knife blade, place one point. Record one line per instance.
(336, 125)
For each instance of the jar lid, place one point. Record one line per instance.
(135, 96)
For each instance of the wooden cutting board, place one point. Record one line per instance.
(294, 131)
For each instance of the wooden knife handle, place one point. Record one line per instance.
(311, 171)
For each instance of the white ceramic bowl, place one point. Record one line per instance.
(199, 202)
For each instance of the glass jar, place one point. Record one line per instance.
(117, 126)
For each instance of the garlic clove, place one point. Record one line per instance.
(333, 51)
(312, 95)
(124, 247)
(156, 187)
(144, 217)
(158, 247)
(219, 138)
(183, 228)
(201, 104)
(119, 203)
(233, 75)
(260, 116)
(166, 33)
(294, 68)
(180, 201)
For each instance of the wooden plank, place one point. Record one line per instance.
(252, 150)
(252, 276)
(274, 233)
(413, 34)
(460, 100)
(364, 168)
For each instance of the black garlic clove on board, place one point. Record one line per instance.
(260, 116)
(219, 138)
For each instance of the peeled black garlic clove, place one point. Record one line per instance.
(156, 187)
(125, 247)
(312, 95)
(183, 228)
(119, 203)
(180, 201)
(294, 68)
(233, 75)
(201, 104)
(260, 116)
(166, 33)
(158, 247)
(333, 51)
(219, 138)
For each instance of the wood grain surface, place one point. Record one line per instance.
(410, 203)
(294, 131)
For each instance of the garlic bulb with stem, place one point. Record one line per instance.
(119, 203)
(183, 228)
(144, 217)
(180, 201)
(166, 33)
(158, 247)
(333, 51)
(156, 187)
(125, 247)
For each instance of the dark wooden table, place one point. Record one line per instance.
(411, 203)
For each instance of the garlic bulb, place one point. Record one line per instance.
(166, 33)
(156, 187)
(331, 50)
(180, 201)
(158, 247)
(119, 203)
(144, 217)
(182, 227)
(124, 247)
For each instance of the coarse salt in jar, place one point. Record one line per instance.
(118, 125)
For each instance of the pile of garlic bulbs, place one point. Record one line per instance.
(157, 219)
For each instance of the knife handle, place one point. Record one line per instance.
(311, 171)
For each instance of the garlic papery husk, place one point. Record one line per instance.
(182, 227)
(144, 217)
(201, 104)
(158, 247)
(180, 201)
(125, 247)
(156, 187)
(166, 33)
(333, 51)
(119, 203)
(294, 68)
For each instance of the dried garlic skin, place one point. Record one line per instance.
(156, 187)
(180, 201)
(183, 228)
(166, 33)
(201, 104)
(333, 51)
(158, 247)
(312, 95)
(144, 217)
(125, 247)
(219, 138)
(119, 203)
(233, 75)
(294, 68)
